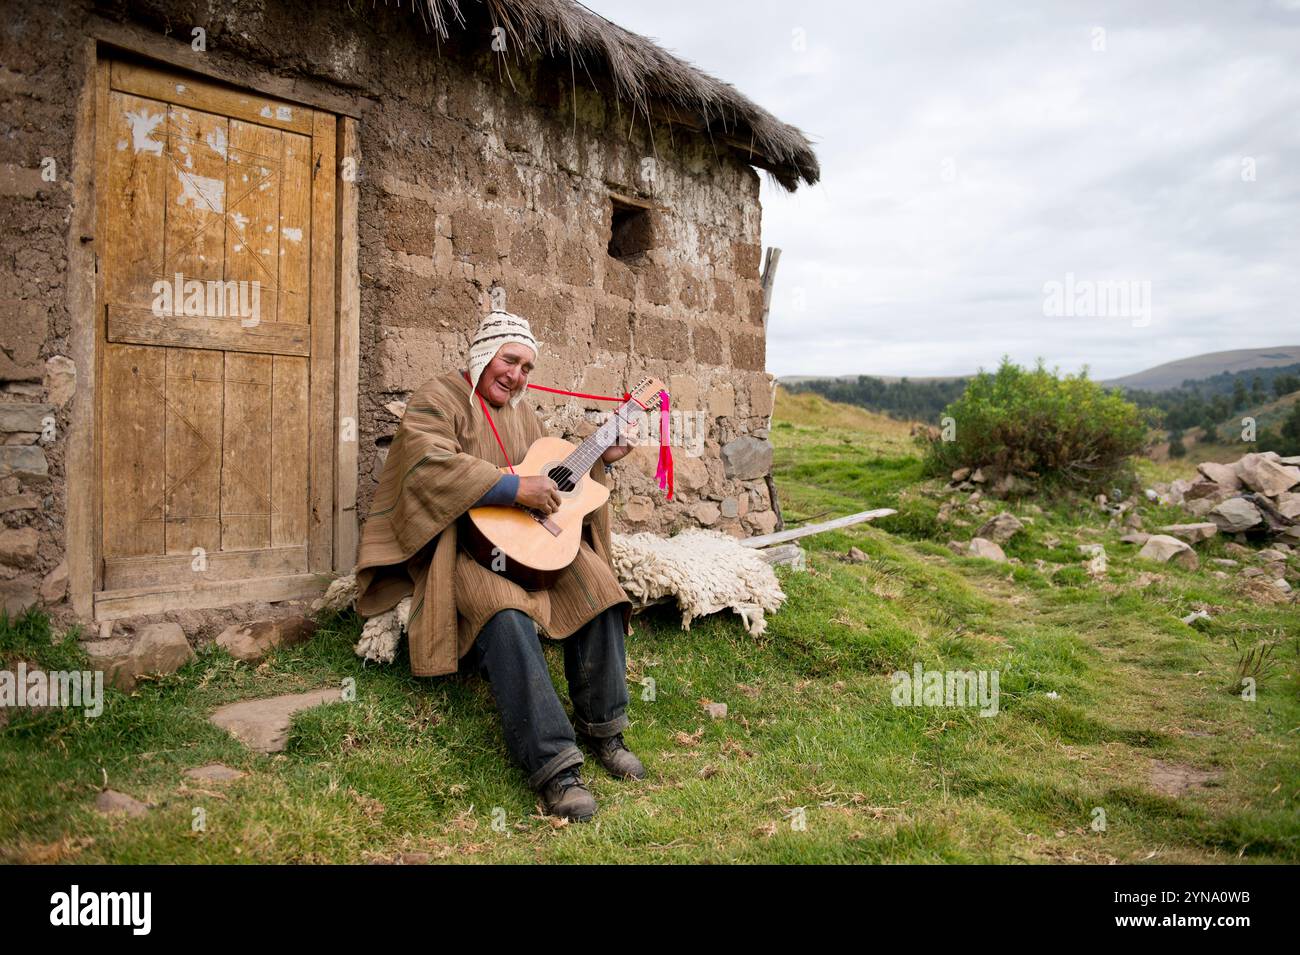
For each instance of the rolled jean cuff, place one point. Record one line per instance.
(601, 730)
(560, 761)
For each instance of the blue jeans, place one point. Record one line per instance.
(508, 653)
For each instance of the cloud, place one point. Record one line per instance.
(973, 152)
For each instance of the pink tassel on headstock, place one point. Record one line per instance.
(664, 472)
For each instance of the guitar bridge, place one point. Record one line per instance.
(545, 521)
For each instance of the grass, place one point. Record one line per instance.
(1100, 683)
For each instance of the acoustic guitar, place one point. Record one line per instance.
(532, 548)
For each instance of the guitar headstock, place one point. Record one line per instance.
(647, 392)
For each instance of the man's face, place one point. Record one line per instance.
(506, 373)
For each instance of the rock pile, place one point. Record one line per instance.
(1257, 496)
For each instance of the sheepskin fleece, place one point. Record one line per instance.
(704, 571)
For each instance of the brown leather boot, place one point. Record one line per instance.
(566, 797)
(615, 756)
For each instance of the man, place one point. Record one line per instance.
(444, 460)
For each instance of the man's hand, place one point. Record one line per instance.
(538, 492)
(616, 451)
(624, 446)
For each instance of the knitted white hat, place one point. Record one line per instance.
(497, 328)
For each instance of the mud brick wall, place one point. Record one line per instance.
(469, 180)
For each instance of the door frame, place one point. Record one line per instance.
(335, 330)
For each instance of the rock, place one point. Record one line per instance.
(1133, 520)
(1096, 554)
(1194, 616)
(214, 773)
(1259, 473)
(638, 508)
(1288, 505)
(251, 642)
(979, 547)
(1208, 489)
(1270, 554)
(110, 802)
(157, 648)
(60, 380)
(23, 417)
(30, 502)
(957, 547)
(706, 512)
(764, 522)
(1163, 548)
(1201, 506)
(55, 585)
(18, 596)
(960, 475)
(1281, 584)
(747, 458)
(1225, 475)
(1235, 514)
(18, 546)
(1000, 528)
(857, 556)
(1192, 533)
(24, 461)
(1176, 491)
(978, 477)
(1252, 572)
(729, 508)
(716, 711)
(263, 725)
(1239, 550)
(396, 408)
(1224, 562)
(1136, 537)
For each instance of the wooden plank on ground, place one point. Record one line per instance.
(780, 537)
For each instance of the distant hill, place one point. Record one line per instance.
(887, 379)
(1172, 374)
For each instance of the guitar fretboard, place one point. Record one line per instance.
(586, 454)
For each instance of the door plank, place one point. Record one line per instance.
(127, 573)
(289, 419)
(202, 94)
(246, 453)
(196, 196)
(253, 225)
(117, 604)
(141, 326)
(134, 451)
(295, 230)
(136, 199)
(324, 429)
(195, 398)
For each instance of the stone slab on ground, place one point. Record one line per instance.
(263, 725)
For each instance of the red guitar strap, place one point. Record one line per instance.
(664, 472)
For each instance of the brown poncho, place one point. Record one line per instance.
(443, 459)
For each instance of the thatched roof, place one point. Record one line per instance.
(647, 77)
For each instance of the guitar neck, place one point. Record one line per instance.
(586, 454)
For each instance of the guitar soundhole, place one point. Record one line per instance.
(562, 477)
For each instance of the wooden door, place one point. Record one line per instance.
(216, 359)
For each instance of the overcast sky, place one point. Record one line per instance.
(972, 153)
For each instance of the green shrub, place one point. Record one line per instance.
(1039, 425)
